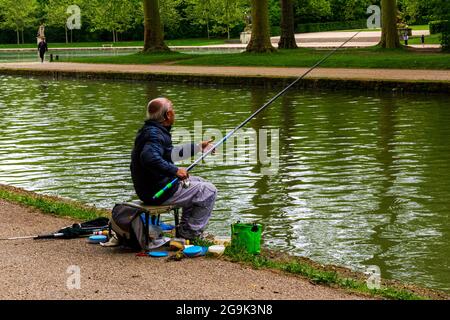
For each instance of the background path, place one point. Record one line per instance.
(276, 72)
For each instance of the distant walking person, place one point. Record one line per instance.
(42, 48)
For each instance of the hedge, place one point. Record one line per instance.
(330, 26)
(438, 26)
(445, 37)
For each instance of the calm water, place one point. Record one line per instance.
(364, 179)
(64, 55)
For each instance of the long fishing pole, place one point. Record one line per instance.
(268, 103)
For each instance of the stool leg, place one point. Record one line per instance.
(147, 226)
(176, 214)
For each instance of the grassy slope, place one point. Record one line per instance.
(372, 57)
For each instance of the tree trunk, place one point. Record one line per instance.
(153, 32)
(207, 28)
(389, 33)
(287, 38)
(113, 36)
(67, 37)
(71, 35)
(23, 40)
(18, 36)
(260, 40)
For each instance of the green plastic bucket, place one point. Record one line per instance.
(247, 236)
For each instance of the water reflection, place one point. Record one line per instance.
(386, 212)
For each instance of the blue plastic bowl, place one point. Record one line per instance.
(158, 254)
(193, 251)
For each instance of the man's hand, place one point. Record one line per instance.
(207, 145)
(182, 173)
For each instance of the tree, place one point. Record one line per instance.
(170, 15)
(349, 10)
(389, 34)
(153, 32)
(56, 13)
(260, 40)
(287, 38)
(227, 14)
(313, 10)
(199, 11)
(17, 15)
(115, 16)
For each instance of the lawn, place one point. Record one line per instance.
(176, 42)
(431, 39)
(372, 57)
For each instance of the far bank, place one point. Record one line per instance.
(401, 80)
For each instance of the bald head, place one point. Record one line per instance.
(158, 108)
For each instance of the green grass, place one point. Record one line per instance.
(431, 39)
(50, 205)
(137, 58)
(372, 57)
(420, 27)
(318, 276)
(176, 42)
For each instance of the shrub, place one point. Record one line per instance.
(438, 26)
(445, 37)
(330, 26)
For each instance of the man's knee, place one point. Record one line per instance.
(212, 190)
(206, 192)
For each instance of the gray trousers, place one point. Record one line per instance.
(197, 203)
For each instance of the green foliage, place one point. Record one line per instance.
(313, 10)
(438, 26)
(274, 13)
(414, 11)
(329, 26)
(17, 15)
(170, 15)
(196, 18)
(349, 10)
(228, 14)
(200, 13)
(56, 12)
(116, 16)
(445, 37)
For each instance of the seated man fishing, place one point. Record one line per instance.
(152, 167)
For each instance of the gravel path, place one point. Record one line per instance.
(37, 269)
(329, 73)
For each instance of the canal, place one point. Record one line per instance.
(362, 178)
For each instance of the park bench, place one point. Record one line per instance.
(154, 213)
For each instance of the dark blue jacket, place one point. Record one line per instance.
(152, 166)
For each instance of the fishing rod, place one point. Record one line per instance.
(268, 103)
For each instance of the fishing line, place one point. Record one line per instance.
(268, 103)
